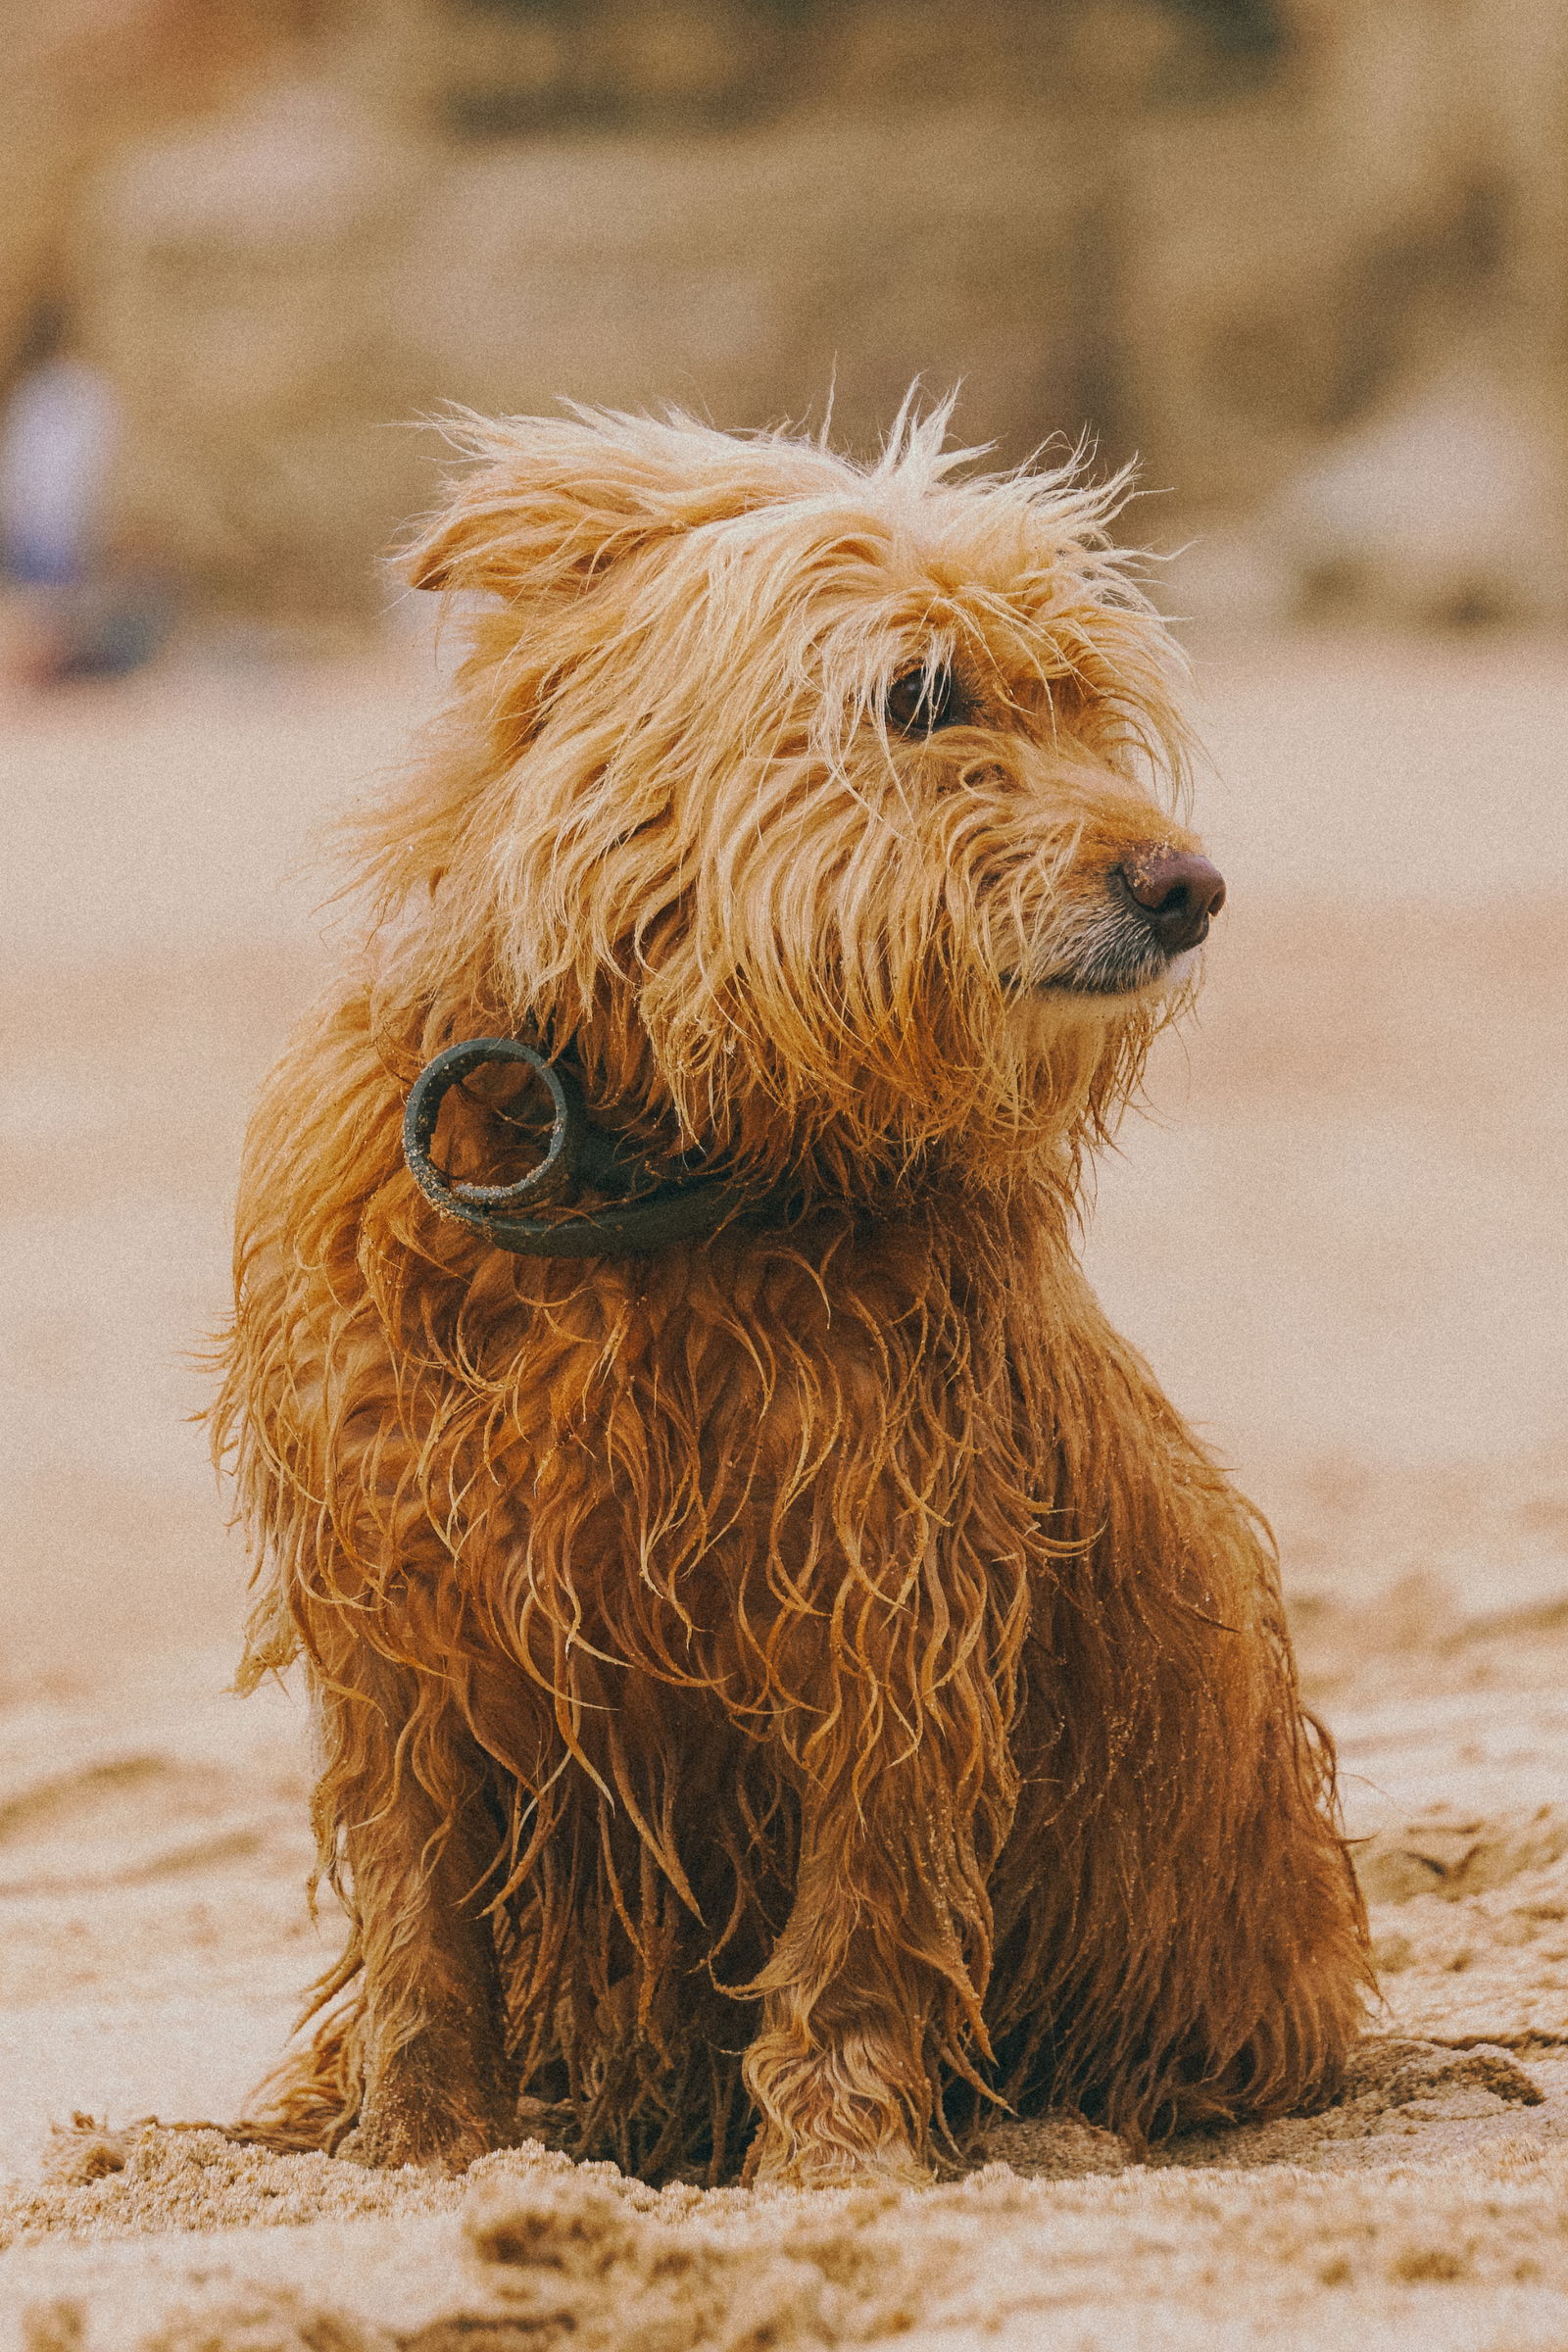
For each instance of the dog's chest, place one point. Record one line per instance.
(764, 1419)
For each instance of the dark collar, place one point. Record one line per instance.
(645, 1212)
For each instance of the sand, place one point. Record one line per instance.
(1338, 1236)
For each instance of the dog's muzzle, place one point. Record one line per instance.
(1156, 913)
(645, 1211)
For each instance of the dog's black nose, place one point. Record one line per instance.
(1178, 892)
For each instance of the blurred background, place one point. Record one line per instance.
(1306, 261)
(1302, 257)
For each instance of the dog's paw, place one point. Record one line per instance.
(390, 2152)
(388, 2137)
(783, 2160)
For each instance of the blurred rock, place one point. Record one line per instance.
(246, 291)
(1251, 241)
(1447, 512)
(82, 81)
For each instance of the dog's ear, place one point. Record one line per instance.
(552, 501)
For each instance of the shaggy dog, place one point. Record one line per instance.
(786, 1690)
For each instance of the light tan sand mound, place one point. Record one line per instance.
(533, 2252)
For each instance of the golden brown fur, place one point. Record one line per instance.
(798, 1686)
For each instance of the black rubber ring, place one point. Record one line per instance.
(477, 1204)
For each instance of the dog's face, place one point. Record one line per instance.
(823, 804)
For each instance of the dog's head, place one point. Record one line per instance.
(825, 807)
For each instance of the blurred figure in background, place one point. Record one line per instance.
(70, 611)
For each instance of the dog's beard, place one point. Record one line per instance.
(1104, 955)
(1118, 958)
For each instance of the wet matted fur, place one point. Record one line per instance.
(784, 1692)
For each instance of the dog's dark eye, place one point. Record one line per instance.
(924, 700)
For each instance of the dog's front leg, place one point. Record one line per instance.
(436, 2083)
(869, 1984)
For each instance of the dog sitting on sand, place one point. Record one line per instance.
(788, 1680)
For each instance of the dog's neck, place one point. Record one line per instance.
(641, 1208)
(596, 1192)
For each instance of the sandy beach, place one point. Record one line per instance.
(1338, 1233)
